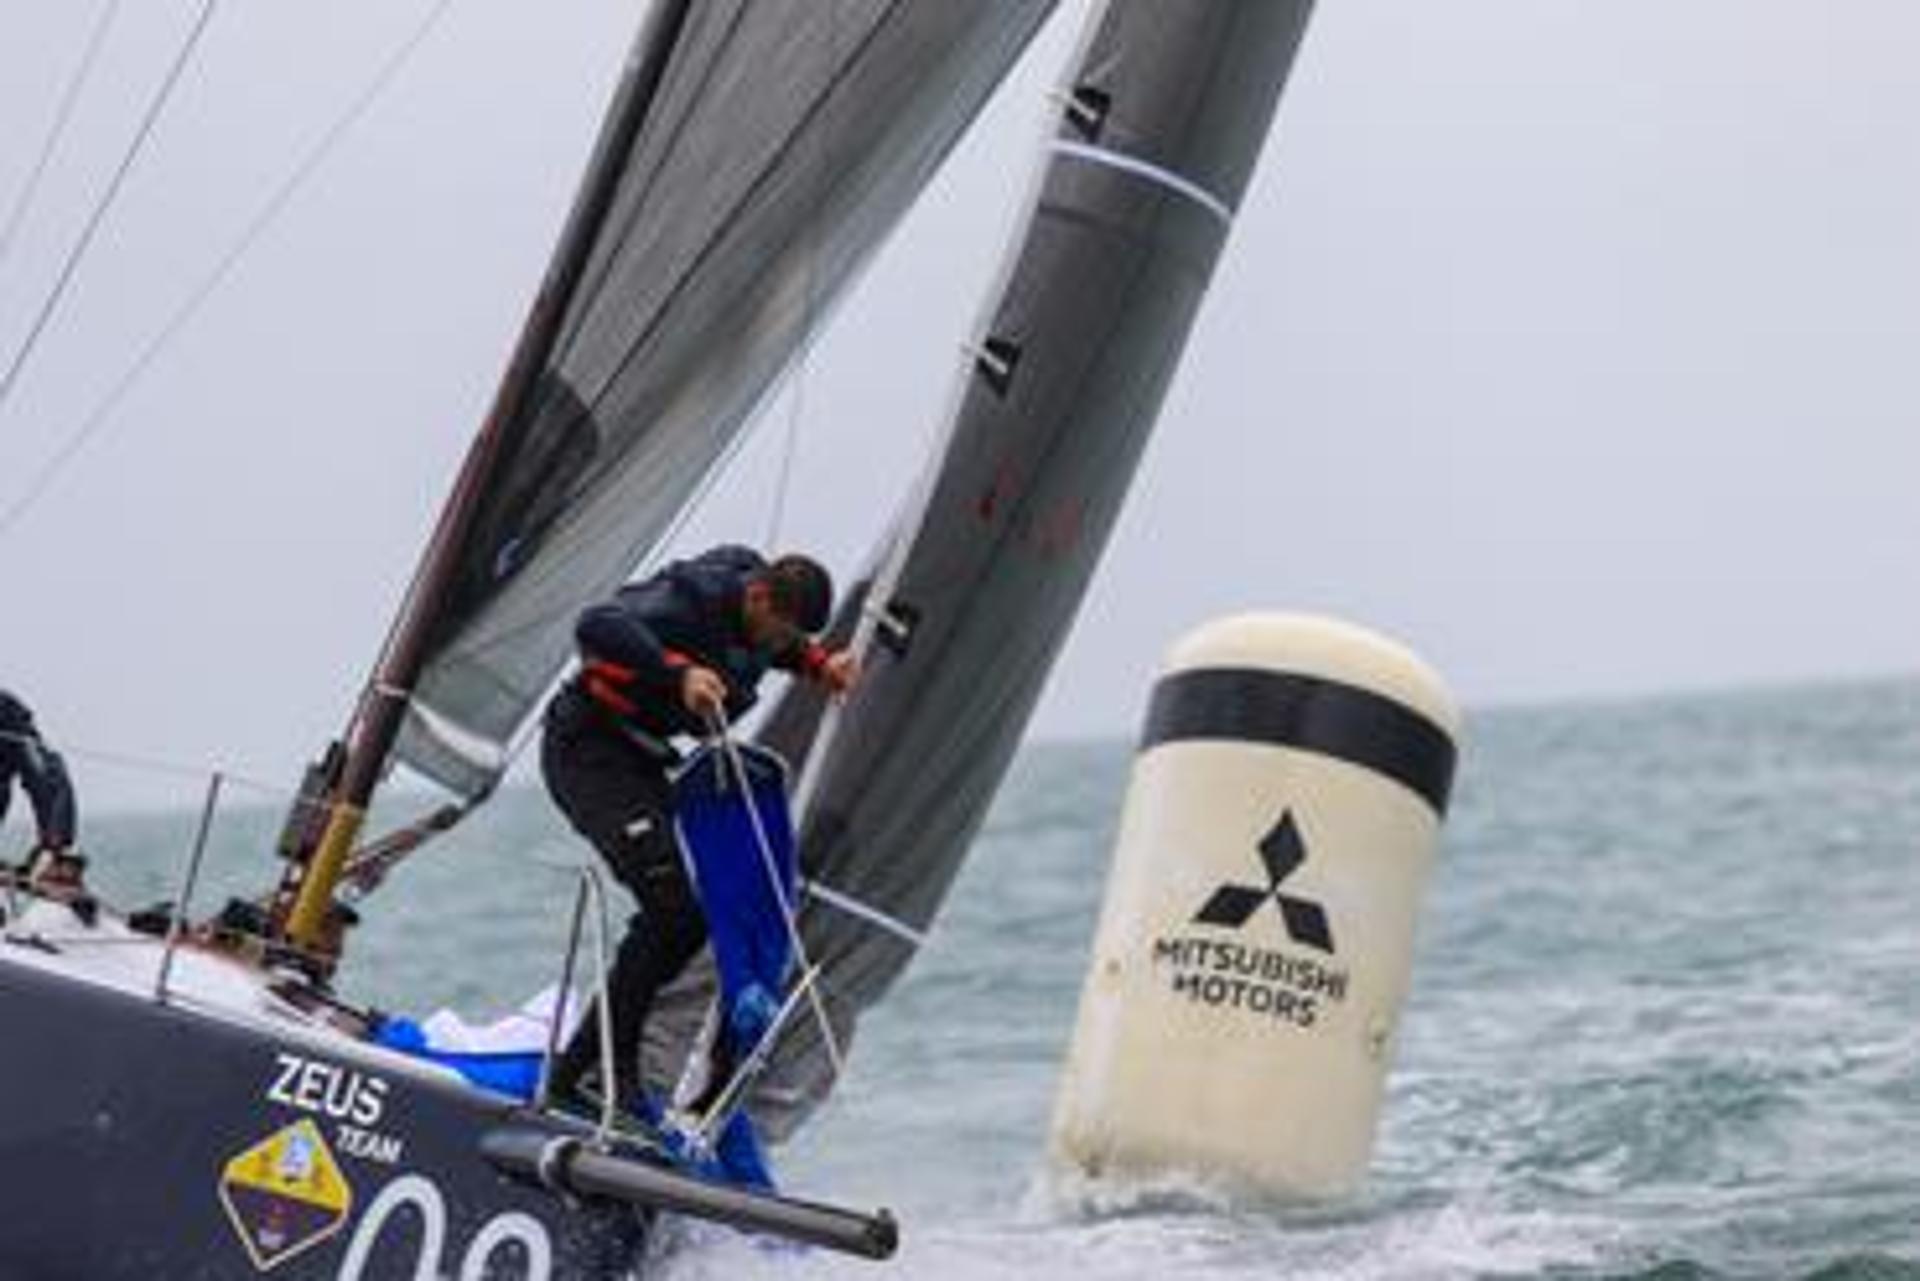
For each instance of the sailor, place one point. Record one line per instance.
(664, 659)
(25, 756)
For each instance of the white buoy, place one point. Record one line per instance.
(1255, 946)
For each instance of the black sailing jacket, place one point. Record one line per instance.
(636, 647)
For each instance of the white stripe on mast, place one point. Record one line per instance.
(871, 915)
(1153, 173)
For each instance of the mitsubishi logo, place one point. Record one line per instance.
(1232, 906)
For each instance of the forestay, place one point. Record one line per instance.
(753, 156)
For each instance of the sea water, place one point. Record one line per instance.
(1665, 1019)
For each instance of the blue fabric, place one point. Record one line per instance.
(516, 1075)
(746, 918)
(752, 949)
(737, 1157)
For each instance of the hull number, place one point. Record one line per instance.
(512, 1228)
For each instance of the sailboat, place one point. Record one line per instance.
(192, 1097)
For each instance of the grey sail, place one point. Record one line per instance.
(1165, 115)
(755, 154)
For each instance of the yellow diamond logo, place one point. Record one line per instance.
(284, 1194)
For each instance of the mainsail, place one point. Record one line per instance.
(1162, 122)
(755, 153)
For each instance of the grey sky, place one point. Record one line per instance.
(1569, 342)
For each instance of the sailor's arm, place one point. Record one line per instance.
(617, 632)
(623, 657)
(837, 669)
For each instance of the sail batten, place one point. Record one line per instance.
(778, 144)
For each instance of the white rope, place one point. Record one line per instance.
(702, 1131)
(862, 911)
(731, 750)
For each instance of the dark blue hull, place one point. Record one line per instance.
(141, 1140)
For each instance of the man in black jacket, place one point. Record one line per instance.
(664, 658)
(43, 775)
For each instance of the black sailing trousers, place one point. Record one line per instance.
(617, 795)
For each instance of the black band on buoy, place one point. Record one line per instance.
(1286, 709)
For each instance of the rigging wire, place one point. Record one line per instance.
(268, 214)
(796, 409)
(163, 767)
(63, 115)
(809, 304)
(155, 109)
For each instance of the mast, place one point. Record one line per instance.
(306, 891)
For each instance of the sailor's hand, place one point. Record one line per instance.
(704, 692)
(841, 671)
